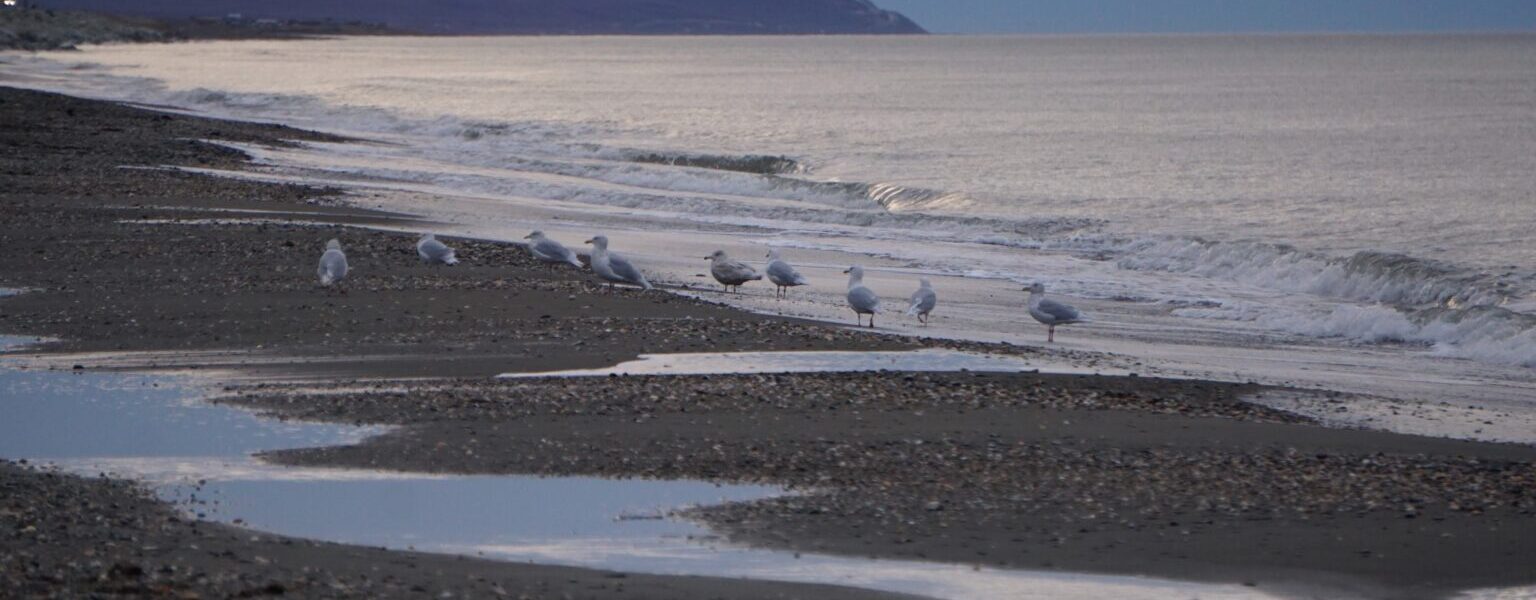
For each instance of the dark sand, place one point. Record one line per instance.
(100, 279)
(1113, 475)
(109, 273)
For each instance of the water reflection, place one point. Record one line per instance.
(722, 363)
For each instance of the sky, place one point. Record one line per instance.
(1215, 16)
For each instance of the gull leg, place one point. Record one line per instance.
(1050, 334)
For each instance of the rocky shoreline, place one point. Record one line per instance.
(1133, 475)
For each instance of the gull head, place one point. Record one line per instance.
(773, 254)
(427, 236)
(599, 241)
(333, 245)
(535, 235)
(1036, 288)
(717, 255)
(923, 282)
(856, 271)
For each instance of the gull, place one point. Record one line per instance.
(782, 275)
(612, 267)
(550, 251)
(861, 299)
(1050, 312)
(434, 252)
(731, 272)
(333, 264)
(923, 300)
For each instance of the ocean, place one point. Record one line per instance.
(1340, 211)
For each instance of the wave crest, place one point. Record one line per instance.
(1364, 276)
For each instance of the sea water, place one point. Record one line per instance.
(1335, 211)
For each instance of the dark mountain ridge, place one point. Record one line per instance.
(540, 17)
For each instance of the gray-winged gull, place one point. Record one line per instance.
(434, 252)
(861, 299)
(923, 300)
(550, 251)
(333, 264)
(731, 272)
(612, 267)
(1050, 312)
(782, 275)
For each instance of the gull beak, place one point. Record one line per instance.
(847, 271)
(587, 242)
(527, 237)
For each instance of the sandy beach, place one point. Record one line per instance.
(138, 266)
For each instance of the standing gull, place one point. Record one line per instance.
(861, 299)
(1050, 312)
(550, 251)
(782, 275)
(612, 267)
(333, 264)
(434, 252)
(923, 300)
(731, 272)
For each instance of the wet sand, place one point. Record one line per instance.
(1117, 475)
(1175, 479)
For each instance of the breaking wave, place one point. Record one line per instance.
(1482, 333)
(1364, 276)
(554, 148)
(752, 163)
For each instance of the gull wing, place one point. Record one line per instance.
(781, 273)
(863, 300)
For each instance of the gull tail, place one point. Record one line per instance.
(451, 259)
(912, 310)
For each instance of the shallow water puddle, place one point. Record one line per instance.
(14, 342)
(81, 414)
(621, 525)
(154, 428)
(736, 363)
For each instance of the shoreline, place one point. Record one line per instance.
(115, 272)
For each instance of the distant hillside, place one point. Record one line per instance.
(45, 30)
(540, 17)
